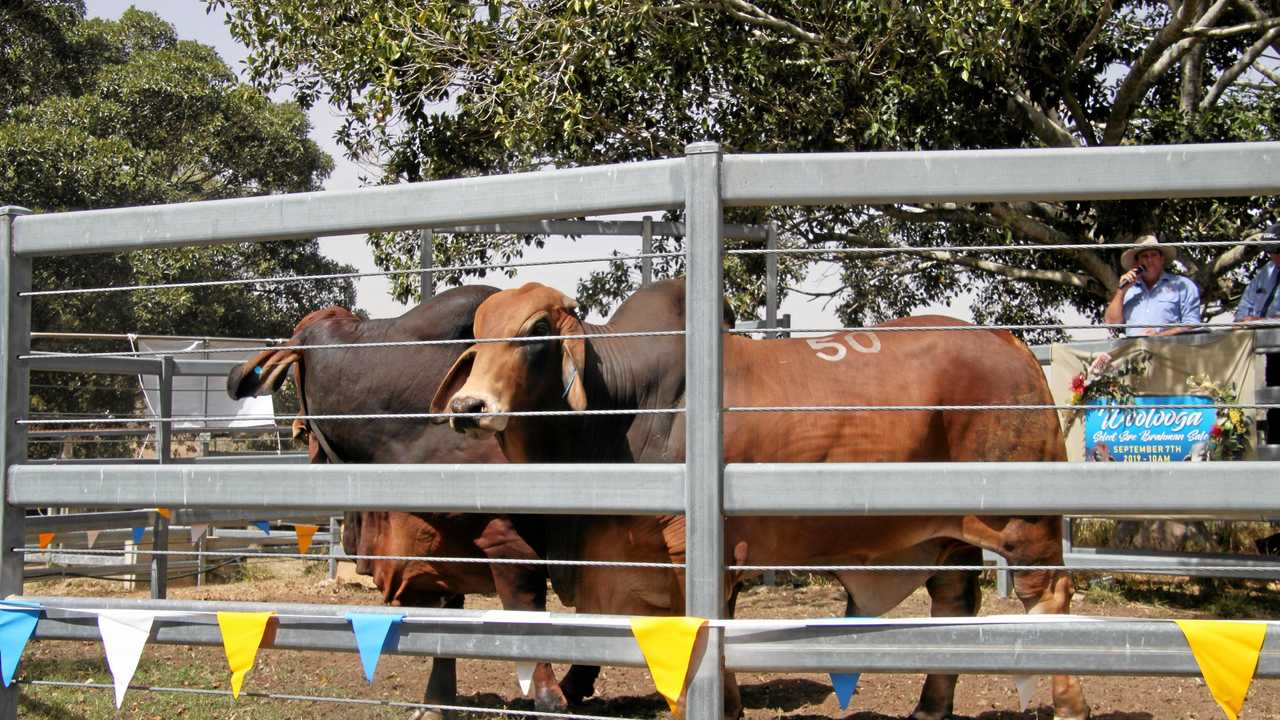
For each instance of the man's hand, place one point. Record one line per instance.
(1130, 277)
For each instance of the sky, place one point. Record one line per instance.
(192, 22)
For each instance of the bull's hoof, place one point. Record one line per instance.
(574, 696)
(427, 715)
(551, 701)
(923, 714)
(1084, 714)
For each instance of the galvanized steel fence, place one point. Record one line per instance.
(702, 183)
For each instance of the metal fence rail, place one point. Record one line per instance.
(701, 183)
(1127, 647)
(1244, 490)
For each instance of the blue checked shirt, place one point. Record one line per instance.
(1174, 299)
(1256, 294)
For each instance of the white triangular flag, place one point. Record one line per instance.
(1026, 688)
(524, 673)
(197, 530)
(91, 537)
(124, 635)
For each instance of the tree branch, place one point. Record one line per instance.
(1251, 8)
(1083, 124)
(1242, 29)
(939, 213)
(1027, 227)
(1004, 216)
(1103, 16)
(1057, 277)
(1192, 80)
(1050, 132)
(747, 12)
(1267, 72)
(1163, 50)
(1235, 71)
(1233, 257)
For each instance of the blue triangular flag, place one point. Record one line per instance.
(137, 535)
(371, 634)
(16, 626)
(845, 685)
(263, 525)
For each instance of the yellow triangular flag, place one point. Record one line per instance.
(241, 635)
(667, 644)
(304, 536)
(45, 539)
(1227, 653)
(165, 513)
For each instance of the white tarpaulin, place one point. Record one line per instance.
(197, 398)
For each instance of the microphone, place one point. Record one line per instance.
(1142, 269)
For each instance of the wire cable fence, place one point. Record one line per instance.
(281, 280)
(278, 280)
(365, 345)
(908, 250)
(354, 556)
(1165, 568)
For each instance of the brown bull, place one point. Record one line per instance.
(391, 380)
(972, 367)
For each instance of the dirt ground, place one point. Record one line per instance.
(621, 692)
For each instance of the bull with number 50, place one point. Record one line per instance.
(955, 367)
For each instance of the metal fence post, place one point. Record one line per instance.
(201, 567)
(164, 426)
(335, 541)
(704, 441)
(426, 261)
(164, 455)
(646, 247)
(16, 336)
(771, 283)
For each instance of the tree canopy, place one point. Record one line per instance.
(436, 90)
(104, 113)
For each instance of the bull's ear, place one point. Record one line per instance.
(573, 361)
(262, 374)
(452, 383)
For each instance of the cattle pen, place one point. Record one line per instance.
(704, 488)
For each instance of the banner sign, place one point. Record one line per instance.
(1169, 365)
(1155, 434)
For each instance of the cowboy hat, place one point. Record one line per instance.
(1144, 243)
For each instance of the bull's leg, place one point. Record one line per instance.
(1035, 541)
(951, 594)
(524, 587)
(732, 696)
(1049, 591)
(579, 683)
(442, 682)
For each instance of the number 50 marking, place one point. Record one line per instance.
(833, 351)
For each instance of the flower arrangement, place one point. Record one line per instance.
(1109, 378)
(1231, 435)
(1106, 378)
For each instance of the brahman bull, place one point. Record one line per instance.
(399, 380)
(971, 367)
